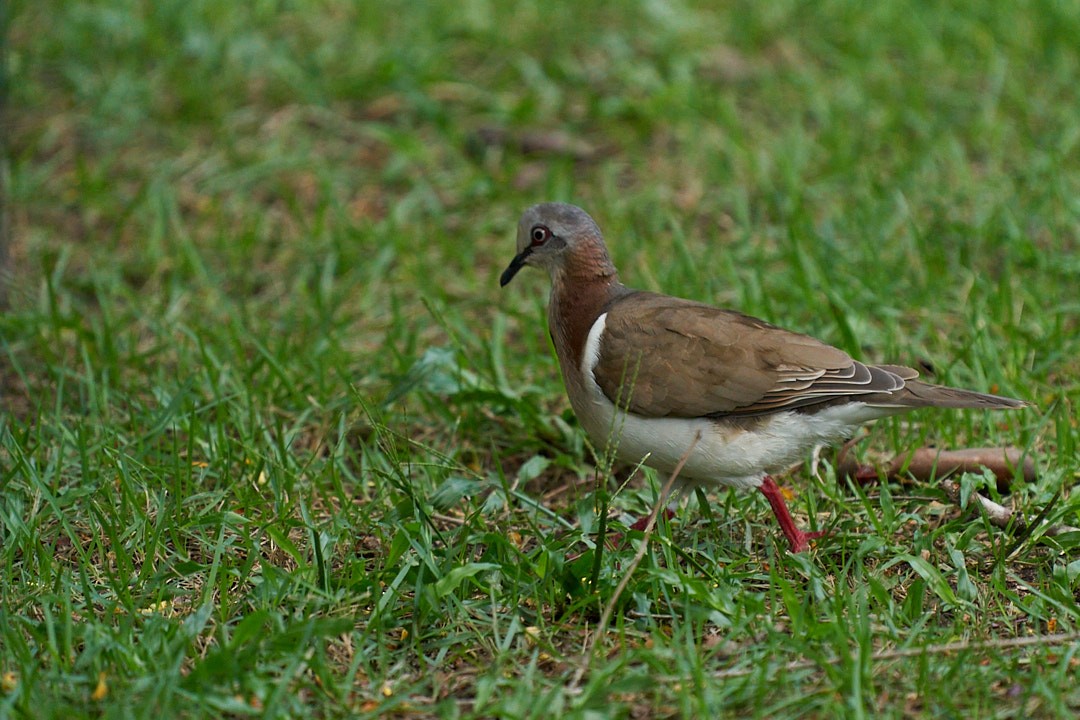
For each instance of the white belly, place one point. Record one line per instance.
(738, 454)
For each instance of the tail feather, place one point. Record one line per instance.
(916, 394)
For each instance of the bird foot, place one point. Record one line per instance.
(641, 523)
(615, 539)
(798, 539)
(612, 541)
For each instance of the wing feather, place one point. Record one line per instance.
(665, 357)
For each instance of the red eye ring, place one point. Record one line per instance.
(539, 235)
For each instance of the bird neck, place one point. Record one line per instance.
(577, 300)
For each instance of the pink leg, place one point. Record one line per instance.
(613, 539)
(643, 521)
(799, 539)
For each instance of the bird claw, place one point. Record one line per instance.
(643, 522)
(800, 540)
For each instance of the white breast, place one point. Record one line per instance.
(735, 454)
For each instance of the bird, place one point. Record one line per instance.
(670, 380)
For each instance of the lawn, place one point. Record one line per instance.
(273, 442)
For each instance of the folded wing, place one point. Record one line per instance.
(727, 363)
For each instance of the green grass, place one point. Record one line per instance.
(274, 443)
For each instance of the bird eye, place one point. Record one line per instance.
(539, 235)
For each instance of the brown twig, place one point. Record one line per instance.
(900, 653)
(609, 609)
(927, 463)
(999, 515)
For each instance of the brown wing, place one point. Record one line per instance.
(662, 356)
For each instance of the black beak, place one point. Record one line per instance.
(516, 264)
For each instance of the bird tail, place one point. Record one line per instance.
(917, 394)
